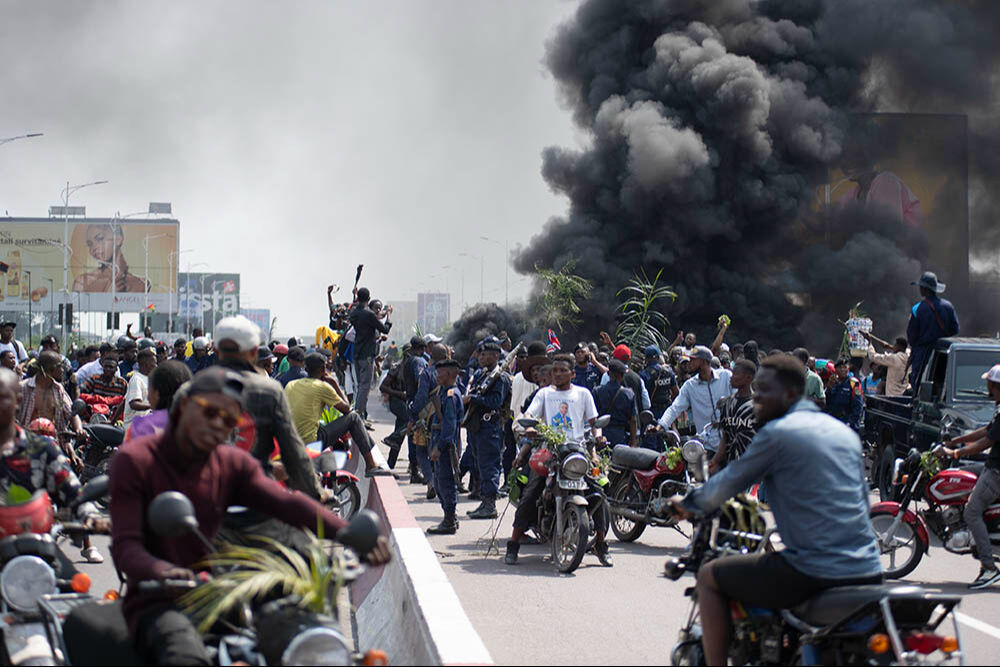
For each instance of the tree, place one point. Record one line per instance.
(642, 324)
(560, 292)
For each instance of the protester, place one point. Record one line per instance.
(200, 357)
(393, 390)
(96, 366)
(632, 380)
(814, 384)
(164, 381)
(265, 361)
(9, 361)
(137, 393)
(8, 342)
(700, 395)
(895, 360)
(296, 360)
(737, 423)
(931, 318)
(367, 325)
(180, 350)
(108, 386)
(127, 351)
(280, 351)
(43, 396)
(413, 367)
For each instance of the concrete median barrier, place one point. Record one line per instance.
(408, 608)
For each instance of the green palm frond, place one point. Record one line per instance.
(251, 572)
(561, 291)
(643, 324)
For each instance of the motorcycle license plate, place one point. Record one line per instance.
(575, 484)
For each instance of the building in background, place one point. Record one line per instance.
(433, 312)
(202, 300)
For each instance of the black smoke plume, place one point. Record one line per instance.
(710, 124)
(482, 320)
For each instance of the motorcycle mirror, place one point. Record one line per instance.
(79, 407)
(325, 463)
(171, 514)
(527, 422)
(362, 532)
(602, 421)
(912, 457)
(646, 418)
(92, 490)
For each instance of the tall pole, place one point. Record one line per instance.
(28, 273)
(52, 303)
(506, 274)
(114, 275)
(65, 255)
(482, 278)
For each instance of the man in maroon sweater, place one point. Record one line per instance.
(188, 458)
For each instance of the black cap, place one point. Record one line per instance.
(447, 363)
(296, 354)
(217, 380)
(490, 346)
(263, 354)
(416, 342)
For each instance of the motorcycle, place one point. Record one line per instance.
(331, 466)
(39, 585)
(850, 625)
(271, 629)
(641, 477)
(900, 530)
(95, 448)
(570, 499)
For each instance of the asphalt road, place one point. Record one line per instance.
(628, 614)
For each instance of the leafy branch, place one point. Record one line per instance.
(643, 324)
(560, 294)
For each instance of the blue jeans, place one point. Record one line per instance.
(488, 443)
(444, 479)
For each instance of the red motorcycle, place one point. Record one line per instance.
(642, 479)
(902, 533)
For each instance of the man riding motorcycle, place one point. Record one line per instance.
(188, 458)
(987, 488)
(813, 468)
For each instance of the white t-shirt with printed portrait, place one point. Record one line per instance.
(570, 410)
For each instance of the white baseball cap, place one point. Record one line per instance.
(993, 375)
(240, 330)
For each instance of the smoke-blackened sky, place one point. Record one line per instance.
(710, 124)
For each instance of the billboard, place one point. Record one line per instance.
(111, 262)
(911, 168)
(259, 316)
(433, 311)
(205, 298)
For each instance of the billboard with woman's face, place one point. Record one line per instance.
(125, 265)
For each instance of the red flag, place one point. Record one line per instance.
(4, 267)
(553, 345)
(228, 287)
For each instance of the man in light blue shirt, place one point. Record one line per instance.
(700, 396)
(813, 469)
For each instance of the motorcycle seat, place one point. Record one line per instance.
(636, 458)
(835, 604)
(108, 435)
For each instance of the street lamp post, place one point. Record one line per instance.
(506, 264)
(482, 273)
(28, 273)
(52, 304)
(70, 189)
(145, 246)
(172, 279)
(201, 304)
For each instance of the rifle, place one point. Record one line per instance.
(475, 412)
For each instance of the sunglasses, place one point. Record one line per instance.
(211, 412)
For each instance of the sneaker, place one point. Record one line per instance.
(602, 549)
(512, 549)
(92, 555)
(378, 471)
(987, 576)
(370, 426)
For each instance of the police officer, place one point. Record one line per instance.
(413, 367)
(844, 395)
(485, 427)
(445, 424)
(660, 381)
(426, 384)
(615, 399)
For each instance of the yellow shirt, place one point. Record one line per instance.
(308, 398)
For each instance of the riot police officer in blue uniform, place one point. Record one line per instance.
(844, 398)
(487, 402)
(445, 424)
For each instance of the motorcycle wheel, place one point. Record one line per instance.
(688, 653)
(347, 496)
(626, 530)
(570, 544)
(905, 539)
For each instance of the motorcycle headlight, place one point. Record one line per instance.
(24, 580)
(317, 646)
(575, 466)
(692, 451)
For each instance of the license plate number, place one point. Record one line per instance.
(576, 484)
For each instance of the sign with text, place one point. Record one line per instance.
(433, 312)
(205, 298)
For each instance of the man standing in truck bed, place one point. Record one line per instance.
(931, 318)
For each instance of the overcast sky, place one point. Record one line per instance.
(294, 140)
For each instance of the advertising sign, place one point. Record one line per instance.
(433, 311)
(111, 262)
(259, 316)
(205, 298)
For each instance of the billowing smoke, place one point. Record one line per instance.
(480, 321)
(710, 124)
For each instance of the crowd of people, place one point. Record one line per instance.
(178, 403)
